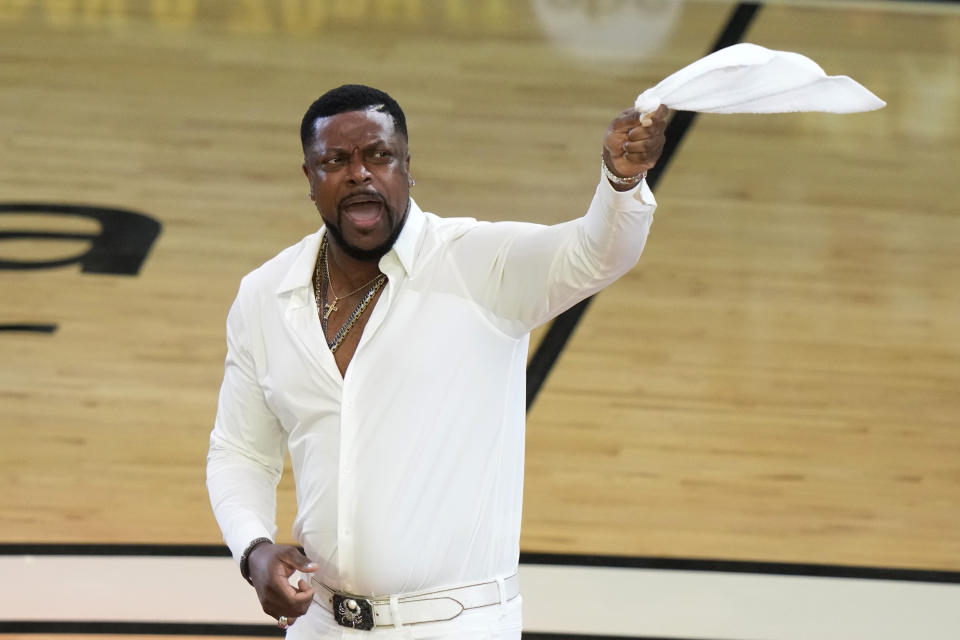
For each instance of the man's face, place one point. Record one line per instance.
(358, 168)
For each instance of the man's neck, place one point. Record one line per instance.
(347, 272)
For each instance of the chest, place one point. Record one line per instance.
(343, 323)
(407, 350)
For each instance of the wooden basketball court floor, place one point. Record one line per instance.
(776, 384)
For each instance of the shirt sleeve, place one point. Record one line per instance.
(245, 459)
(526, 274)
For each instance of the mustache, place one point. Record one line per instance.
(360, 195)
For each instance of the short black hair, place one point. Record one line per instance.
(350, 97)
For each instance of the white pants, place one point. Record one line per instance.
(495, 622)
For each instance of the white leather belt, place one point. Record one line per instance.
(439, 605)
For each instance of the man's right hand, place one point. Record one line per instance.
(271, 566)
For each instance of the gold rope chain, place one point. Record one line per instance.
(377, 284)
(330, 307)
(352, 320)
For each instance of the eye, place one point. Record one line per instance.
(382, 155)
(331, 163)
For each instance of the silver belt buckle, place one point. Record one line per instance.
(353, 612)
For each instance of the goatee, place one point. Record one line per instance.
(374, 254)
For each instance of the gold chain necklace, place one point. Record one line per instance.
(320, 293)
(330, 307)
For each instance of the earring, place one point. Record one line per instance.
(412, 181)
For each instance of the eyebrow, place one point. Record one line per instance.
(376, 143)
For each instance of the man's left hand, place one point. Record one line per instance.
(634, 142)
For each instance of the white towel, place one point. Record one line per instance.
(747, 78)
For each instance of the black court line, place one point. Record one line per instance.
(539, 635)
(746, 566)
(29, 328)
(526, 558)
(556, 337)
(203, 629)
(139, 628)
(113, 550)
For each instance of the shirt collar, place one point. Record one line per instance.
(405, 248)
(408, 242)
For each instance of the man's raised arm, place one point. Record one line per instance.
(526, 274)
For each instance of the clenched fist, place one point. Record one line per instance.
(634, 142)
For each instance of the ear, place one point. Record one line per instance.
(306, 173)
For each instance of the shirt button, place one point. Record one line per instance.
(347, 469)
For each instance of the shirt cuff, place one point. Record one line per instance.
(240, 538)
(627, 200)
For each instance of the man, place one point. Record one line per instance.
(387, 352)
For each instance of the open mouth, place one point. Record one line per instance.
(362, 210)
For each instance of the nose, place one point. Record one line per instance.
(357, 169)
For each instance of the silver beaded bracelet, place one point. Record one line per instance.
(245, 557)
(614, 178)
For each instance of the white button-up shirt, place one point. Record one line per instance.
(409, 468)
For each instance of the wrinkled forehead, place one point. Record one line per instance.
(373, 121)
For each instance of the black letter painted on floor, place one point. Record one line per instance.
(121, 246)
